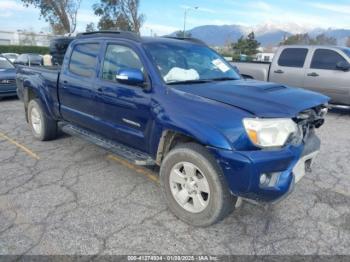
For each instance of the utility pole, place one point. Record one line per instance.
(187, 9)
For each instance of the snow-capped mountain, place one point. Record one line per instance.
(267, 34)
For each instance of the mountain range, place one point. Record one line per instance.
(267, 34)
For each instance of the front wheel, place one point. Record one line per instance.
(43, 127)
(194, 186)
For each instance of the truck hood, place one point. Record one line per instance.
(259, 98)
(8, 73)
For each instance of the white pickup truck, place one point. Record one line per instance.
(319, 68)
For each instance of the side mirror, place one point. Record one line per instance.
(344, 66)
(130, 76)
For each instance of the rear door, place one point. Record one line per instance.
(77, 91)
(289, 67)
(123, 109)
(323, 75)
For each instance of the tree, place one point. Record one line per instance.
(180, 34)
(296, 39)
(305, 39)
(61, 14)
(90, 27)
(246, 45)
(322, 39)
(119, 14)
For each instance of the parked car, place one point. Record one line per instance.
(178, 104)
(318, 68)
(10, 56)
(29, 60)
(7, 78)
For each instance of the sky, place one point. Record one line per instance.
(166, 16)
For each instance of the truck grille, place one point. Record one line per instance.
(7, 82)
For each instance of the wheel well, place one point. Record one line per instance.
(168, 141)
(30, 95)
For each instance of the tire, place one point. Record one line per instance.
(214, 205)
(43, 127)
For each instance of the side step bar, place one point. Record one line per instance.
(132, 155)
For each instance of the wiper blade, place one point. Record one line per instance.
(198, 81)
(223, 79)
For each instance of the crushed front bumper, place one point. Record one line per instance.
(284, 167)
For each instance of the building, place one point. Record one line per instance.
(21, 37)
(264, 57)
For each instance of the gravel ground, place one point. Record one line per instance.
(70, 197)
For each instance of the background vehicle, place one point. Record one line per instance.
(319, 68)
(7, 78)
(10, 56)
(29, 60)
(178, 104)
(264, 57)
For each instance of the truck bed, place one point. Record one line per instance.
(43, 79)
(255, 70)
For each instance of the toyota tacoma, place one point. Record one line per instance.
(178, 104)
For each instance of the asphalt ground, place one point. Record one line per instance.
(70, 197)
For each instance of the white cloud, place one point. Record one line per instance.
(158, 29)
(6, 5)
(343, 9)
(87, 16)
(6, 14)
(262, 5)
(200, 9)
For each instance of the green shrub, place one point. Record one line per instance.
(24, 49)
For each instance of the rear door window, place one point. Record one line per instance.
(326, 59)
(293, 57)
(83, 59)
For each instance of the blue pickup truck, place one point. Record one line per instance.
(178, 104)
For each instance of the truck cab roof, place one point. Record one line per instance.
(135, 37)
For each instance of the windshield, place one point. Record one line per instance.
(10, 56)
(346, 51)
(178, 63)
(5, 64)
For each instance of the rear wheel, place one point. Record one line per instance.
(43, 127)
(194, 186)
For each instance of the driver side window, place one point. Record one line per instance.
(119, 57)
(326, 59)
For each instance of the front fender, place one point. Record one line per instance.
(199, 131)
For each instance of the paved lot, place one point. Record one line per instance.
(71, 197)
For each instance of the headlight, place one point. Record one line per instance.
(272, 132)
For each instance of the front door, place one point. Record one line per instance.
(323, 76)
(125, 109)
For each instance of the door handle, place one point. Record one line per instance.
(99, 89)
(279, 71)
(65, 82)
(313, 74)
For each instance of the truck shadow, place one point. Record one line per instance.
(339, 111)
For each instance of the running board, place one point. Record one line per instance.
(132, 155)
